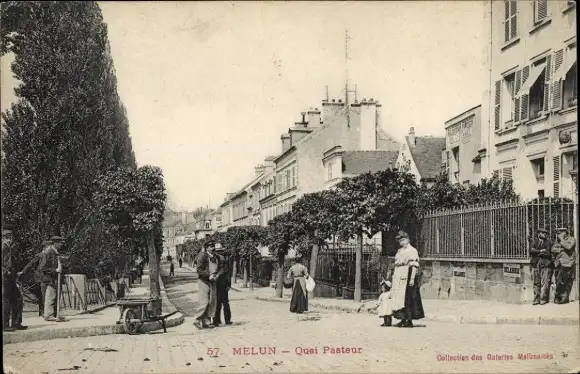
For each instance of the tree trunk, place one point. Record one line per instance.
(252, 272)
(358, 271)
(313, 263)
(235, 271)
(245, 265)
(280, 277)
(154, 287)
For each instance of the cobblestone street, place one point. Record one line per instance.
(289, 337)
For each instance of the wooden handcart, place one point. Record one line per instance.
(134, 313)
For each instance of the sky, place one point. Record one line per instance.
(210, 86)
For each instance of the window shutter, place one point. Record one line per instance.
(497, 118)
(557, 84)
(557, 95)
(548, 75)
(525, 106)
(514, 19)
(525, 74)
(507, 173)
(507, 10)
(517, 100)
(556, 168)
(542, 6)
(506, 21)
(495, 174)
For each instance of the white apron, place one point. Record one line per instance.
(399, 288)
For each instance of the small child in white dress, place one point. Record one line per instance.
(385, 308)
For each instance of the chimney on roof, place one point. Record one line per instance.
(412, 140)
(368, 126)
(313, 118)
(259, 169)
(285, 142)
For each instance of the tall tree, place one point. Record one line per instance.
(69, 110)
(278, 238)
(315, 220)
(373, 203)
(132, 203)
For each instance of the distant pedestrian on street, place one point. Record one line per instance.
(385, 307)
(542, 266)
(208, 269)
(171, 269)
(298, 274)
(407, 304)
(12, 302)
(223, 286)
(180, 262)
(565, 261)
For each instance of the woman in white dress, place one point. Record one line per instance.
(406, 298)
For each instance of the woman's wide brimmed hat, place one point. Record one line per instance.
(402, 235)
(386, 283)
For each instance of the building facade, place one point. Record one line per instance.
(461, 159)
(529, 111)
(302, 165)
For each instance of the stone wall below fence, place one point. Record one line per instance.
(478, 279)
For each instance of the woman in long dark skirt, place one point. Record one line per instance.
(298, 273)
(407, 304)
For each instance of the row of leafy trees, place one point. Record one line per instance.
(68, 166)
(368, 204)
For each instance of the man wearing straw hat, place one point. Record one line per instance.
(565, 262)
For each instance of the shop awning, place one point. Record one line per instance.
(534, 74)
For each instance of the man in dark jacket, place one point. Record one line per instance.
(12, 302)
(223, 286)
(208, 270)
(541, 266)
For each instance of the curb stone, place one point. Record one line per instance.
(86, 331)
(464, 319)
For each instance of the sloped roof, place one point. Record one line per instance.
(170, 221)
(427, 155)
(187, 229)
(359, 162)
(386, 142)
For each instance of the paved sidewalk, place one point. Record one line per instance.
(454, 311)
(99, 321)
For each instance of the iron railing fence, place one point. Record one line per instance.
(493, 231)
